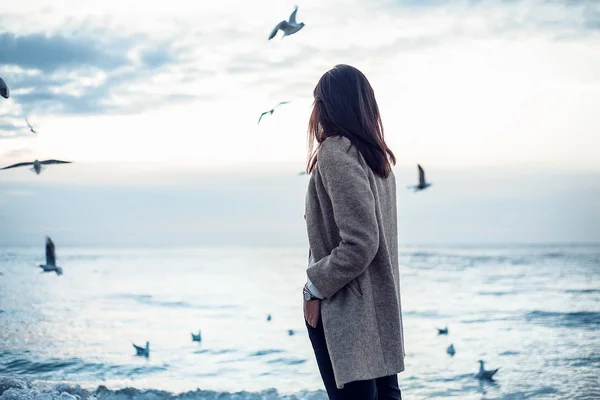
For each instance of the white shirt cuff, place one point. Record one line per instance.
(313, 289)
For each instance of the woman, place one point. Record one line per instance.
(352, 296)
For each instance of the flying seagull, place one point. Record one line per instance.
(288, 27)
(196, 338)
(50, 265)
(142, 351)
(450, 350)
(271, 111)
(37, 165)
(422, 184)
(30, 127)
(484, 374)
(442, 331)
(4, 92)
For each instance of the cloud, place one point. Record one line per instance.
(155, 58)
(10, 130)
(57, 74)
(16, 153)
(390, 29)
(49, 53)
(592, 19)
(208, 54)
(107, 92)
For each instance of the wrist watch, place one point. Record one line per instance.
(308, 296)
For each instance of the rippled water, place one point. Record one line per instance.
(532, 311)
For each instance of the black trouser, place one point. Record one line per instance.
(385, 388)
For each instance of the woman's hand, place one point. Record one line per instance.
(312, 312)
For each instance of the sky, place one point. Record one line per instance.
(157, 105)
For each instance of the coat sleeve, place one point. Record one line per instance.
(347, 185)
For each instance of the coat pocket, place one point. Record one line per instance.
(354, 288)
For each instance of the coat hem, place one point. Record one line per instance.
(392, 371)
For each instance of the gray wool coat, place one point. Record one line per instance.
(352, 233)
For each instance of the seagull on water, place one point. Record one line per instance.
(271, 111)
(288, 27)
(30, 127)
(485, 374)
(422, 184)
(142, 351)
(196, 338)
(37, 165)
(442, 331)
(4, 92)
(50, 265)
(450, 350)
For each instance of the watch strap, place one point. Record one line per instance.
(307, 291)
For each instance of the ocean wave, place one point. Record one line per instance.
(23, 366)
(420, 254)
(516, 258)
(7, 256)
(265, 352)
(582, 291)
(462, 257)
(592, 361)
(19, 389)
(484, 320)
(287, 361)
(554, 255)
(425, 314)
(499, 293)
(215, 352)
(578, 319)
(151, 301)
(542, 392)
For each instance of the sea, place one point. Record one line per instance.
(532, 311)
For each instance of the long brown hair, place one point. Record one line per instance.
(345, 105)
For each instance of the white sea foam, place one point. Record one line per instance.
(20, 389)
